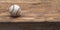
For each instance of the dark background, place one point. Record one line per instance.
(30, 26)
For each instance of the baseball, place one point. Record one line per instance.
(14, 10)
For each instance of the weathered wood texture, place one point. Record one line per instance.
(31, 10)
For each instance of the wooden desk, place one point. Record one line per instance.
(31, 10)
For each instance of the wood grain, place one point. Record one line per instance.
(31, 10)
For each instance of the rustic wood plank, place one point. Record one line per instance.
(31, 10)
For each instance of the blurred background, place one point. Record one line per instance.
(30, 26)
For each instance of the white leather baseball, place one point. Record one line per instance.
(14, 10)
